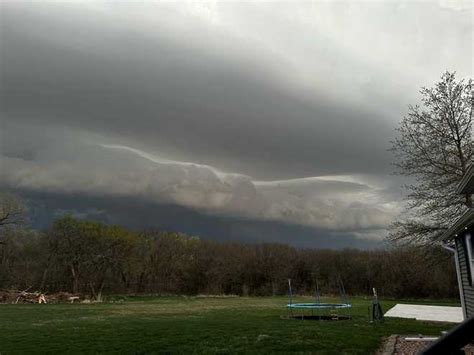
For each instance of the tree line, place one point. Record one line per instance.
(95, 259)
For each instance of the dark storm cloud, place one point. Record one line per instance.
(78, 68)
(268, 113)
(44, 208)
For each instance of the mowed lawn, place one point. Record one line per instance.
(192, 325)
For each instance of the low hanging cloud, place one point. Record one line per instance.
(338, 203)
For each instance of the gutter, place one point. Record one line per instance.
(448, 248)
(458, 276)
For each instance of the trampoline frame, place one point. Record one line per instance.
(318, 305)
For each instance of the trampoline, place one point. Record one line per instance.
(319, 306)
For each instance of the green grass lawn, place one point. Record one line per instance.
(192, 324)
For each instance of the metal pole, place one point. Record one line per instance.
(290, 309)
(343, 290)
(290, 293)
(318, 297)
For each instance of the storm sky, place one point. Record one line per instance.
(249, 121)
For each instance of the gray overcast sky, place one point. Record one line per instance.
(277, 112)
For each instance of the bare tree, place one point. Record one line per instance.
(434, 148)
(12, 211)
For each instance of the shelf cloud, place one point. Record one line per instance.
(338, 203)
(275, 112)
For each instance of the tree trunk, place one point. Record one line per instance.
(140, 282)
(75, 281)
(43, 278)
(97, 295)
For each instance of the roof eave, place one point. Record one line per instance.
(464, 222)
(467, 182)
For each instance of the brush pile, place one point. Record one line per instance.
(16, 296)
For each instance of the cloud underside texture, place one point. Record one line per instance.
(118, 171)
(207, 107)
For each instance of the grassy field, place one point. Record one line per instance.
(192, 324)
